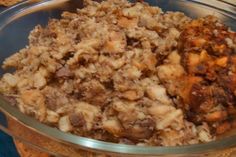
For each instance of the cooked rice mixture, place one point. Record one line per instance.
(128, 73)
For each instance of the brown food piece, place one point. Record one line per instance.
(9, 2)
(64, 72)
(216, 116)
(207, 53)
(222, 128)
(77, 120)
(140, 129)
(93, 92)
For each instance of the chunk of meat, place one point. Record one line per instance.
(77, 120)
(94, 92)
(52, 117)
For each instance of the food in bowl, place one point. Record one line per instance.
(128, 73)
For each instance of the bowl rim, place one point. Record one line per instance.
(101, 146)
(18, 11)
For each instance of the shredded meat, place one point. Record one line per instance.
(128, 73)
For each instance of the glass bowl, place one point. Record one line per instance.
(15, 25)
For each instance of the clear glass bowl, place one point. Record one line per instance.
(15, 25)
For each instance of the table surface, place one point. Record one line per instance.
(7, 148)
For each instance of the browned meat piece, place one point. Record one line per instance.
(77, 120)
(93, 92)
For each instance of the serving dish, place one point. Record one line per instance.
(15, 24)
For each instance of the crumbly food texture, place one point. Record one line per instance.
(119, 72)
